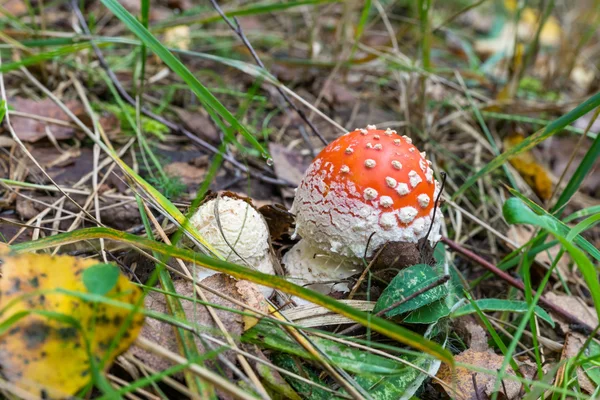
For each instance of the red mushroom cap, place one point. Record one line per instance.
(366, 181)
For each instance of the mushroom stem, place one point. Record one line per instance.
(323, 272)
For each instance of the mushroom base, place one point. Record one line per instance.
(396, 256)
(309, 266)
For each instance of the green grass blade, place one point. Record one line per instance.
(204, 95)
(380, 325)
(516, 212)
(582, 226)
(553, 224)
(538, 137)
(48, 55)
(251, 9)
(515, 306)
(584, 167)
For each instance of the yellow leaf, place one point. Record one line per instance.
(534, 174)
(44, 352)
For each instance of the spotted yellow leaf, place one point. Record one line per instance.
(48, 335)
(535, 174)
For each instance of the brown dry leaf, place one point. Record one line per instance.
(198, 123)
(32, 130)
(337, 93)
(14, 7)
(534, 173)
(576, 307)
(573, 343)
(279, 220)
(472, 385)
(288, 164)
(164, 335)
(189, 174)
(45, 352)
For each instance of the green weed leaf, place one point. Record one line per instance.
(407, 282)
(101, 278)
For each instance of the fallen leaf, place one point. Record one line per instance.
(279, 219)
(558, 151)
(534, 173)
(32, 130)
(576, 307)
(198, 123)
(472, 385)
(14, 7)
(288, 164)
(189, 174)
(42, 324)
(336, 93)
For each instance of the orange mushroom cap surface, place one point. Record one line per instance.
(366, 181)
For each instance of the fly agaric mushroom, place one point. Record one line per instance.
(238, 232)
(368, 186)
(311, 267)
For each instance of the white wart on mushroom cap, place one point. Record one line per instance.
(239, 226)
(367, 181)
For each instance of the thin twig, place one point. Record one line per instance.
(237, 28)
(513, 282)
(171, 125)
(419, 292)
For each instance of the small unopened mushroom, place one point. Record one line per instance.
(354, 194)
(237, 231)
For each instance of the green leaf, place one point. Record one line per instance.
(428, 314)
(101, 278)
(407, 282)
(591, 368)
(535, 214)
(516, 306)
(439, 254)
(348, 358)
(516, 212)
(305, 390)
(397, 386)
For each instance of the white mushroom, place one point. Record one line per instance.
(237, 232)
(311, 267)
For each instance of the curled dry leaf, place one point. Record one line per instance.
(43, 324)
(535, 174)
(279, 220)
